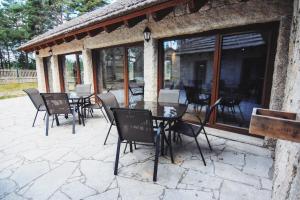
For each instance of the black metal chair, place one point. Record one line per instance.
(192, 97)
(135, 126)
(193, 130)
(109, 101)
(37, 101)
(57, 104)
(92, 103)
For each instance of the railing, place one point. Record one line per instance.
(17, 76)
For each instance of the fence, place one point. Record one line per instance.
(17, 76)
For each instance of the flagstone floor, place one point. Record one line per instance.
(65, 166)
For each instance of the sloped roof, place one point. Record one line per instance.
(110, 11)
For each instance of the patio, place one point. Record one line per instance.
(67, 166)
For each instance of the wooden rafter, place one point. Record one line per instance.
(159, 15)
(111, 28)
(69, 39)
(95, 32)
(195, 5)
(132, 22)
(80, 35)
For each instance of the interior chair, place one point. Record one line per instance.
(135, 91)
(93, 103)
(193, 97)
(57, 104)
(37, 101)
(193, 130)
(109, 101)
(135, 126)
(168, 96)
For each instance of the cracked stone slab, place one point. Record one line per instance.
(258, 166)
(99, 175)
(236, 191)
(77, 190)
(27, 173)
(171, 194)
(108, 195)
(47, 184)
(130, 191)
(13, 196)
(6, 186)
(59, 196)
(229, 172)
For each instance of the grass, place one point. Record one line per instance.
(12, 90)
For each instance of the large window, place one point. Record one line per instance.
(72, 70)
(112, 74)
(233, 66)
(243, 67)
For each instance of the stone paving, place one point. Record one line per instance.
(65, 166)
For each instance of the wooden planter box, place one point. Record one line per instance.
(275, 124)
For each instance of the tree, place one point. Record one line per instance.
(80, 7)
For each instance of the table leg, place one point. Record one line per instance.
(56, 119)
(78, 112)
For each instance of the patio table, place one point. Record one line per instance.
(166, 112)
(79, 101)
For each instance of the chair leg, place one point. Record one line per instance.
(207, 139)
(130, 146)
(47, 124)
(52, 121)
(45, 116)
(104, 115)
(200, 151)
(156, 159)
(170, 146)
(107, 133)
(117, 157)
(36, 114)
(73, 127)
(125, 147)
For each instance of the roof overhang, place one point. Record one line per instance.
(157, 11)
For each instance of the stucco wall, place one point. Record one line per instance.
(287, 158)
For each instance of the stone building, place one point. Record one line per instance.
(245, 50)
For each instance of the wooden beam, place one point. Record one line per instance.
(195, 5)
(132, 22)
(58, 42)
(80, 35)
(159, 15)
(113, 27)
(69, 39)
(95, 32)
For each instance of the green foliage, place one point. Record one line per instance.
(21, 20)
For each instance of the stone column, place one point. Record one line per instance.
(286, 182)
(87, 67)
(150, 69)
(40, 74)
(55, 73)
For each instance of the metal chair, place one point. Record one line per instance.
(57, 104)
(92, 103)
(193, 130)
(135, 91)
(168, 96)
(192, 97)
(37, 101)
(136, 126)
(109, 101)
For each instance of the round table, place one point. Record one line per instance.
(79, 101)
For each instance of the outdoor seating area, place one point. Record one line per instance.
(84, 168)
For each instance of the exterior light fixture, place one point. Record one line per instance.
(147, 34)
(50, 52)
(37, 53)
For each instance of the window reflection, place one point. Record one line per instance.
(243, 64)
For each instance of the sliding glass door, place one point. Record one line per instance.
(119, 70)
(235, 66)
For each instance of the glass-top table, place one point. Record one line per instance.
(162, 111)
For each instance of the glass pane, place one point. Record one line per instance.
(71, 66)
(110, 71)
(243, 65)
(188, 66)
(136, 74)
(49, 73)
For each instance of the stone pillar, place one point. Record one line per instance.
(87, 67)
(150, 69)
(40, 74)
(286, 182)
(55, 73)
